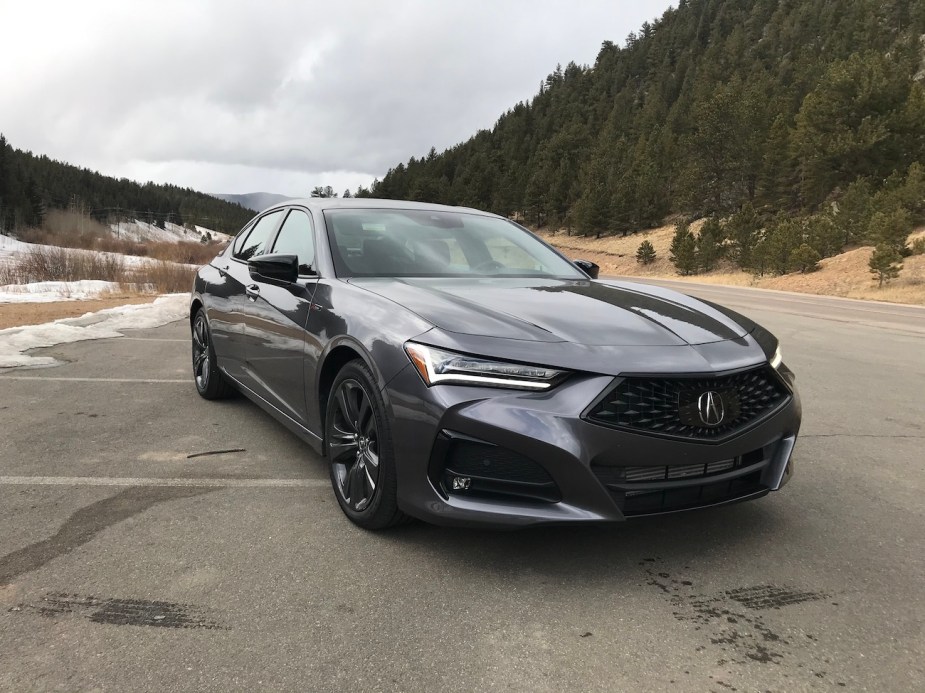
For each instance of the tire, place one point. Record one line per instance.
(358, 445)
(210, 382)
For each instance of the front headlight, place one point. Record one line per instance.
(777, 359)
(438, 366)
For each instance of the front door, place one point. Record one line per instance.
(276, 319)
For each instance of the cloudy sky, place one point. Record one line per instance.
(232, 96)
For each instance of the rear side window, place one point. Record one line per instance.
(295, 238)
(255, 243)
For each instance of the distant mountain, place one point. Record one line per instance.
(256, 201)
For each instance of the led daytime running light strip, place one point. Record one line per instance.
(421, 358)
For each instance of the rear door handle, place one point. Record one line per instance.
(252, 291)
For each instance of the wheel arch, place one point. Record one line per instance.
(338, 355)
(194, 307)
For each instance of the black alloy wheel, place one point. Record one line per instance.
(359, 449)
(354, 445)
(210, 383)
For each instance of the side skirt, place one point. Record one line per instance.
(294, 426)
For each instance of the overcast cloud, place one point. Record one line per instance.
(239, 97)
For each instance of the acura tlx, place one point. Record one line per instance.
(452, 367)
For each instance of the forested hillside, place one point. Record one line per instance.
(756, 107)
(31, 185)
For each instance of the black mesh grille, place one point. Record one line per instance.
(474, 459)
(671, 406)
(491, 471)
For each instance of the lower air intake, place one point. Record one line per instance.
(491, 471)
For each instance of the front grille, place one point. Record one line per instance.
(671, 406)
(648, 490)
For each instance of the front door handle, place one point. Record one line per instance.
(252, 291)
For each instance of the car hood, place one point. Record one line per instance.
(593, 313)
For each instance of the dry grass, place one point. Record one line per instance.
(19, 314)
(64, 264)
(846, 274)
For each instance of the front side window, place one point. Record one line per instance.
(295, 238)
(255, 243)
(419, 243)
(239, 239)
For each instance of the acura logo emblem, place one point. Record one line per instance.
(710, 407)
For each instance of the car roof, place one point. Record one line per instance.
(323, 203)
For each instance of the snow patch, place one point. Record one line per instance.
(103, 324)
(45, 292)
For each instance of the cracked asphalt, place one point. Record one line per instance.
(129, 560)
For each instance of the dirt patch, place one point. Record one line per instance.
(846, 274)
(19, 314)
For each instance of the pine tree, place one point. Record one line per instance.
(776, 182)
(760, 257)
(853, 211)
(742, 231)
(683, 251)
(847, 125)
(709, 249)
(890, 228)
(645, 254)
(782, 239)
(885, 263)
(326, 191)
(822, 235)
(592, 212)
(805, 259)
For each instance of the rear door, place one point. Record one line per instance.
(276, 319)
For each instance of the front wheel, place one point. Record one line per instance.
(358, 443)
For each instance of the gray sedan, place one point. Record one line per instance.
(454, 368)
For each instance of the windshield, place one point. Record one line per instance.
(420, 243)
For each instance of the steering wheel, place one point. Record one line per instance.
(488, 265)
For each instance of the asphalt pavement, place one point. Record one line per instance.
(154, 541)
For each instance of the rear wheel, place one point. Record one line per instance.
(210, 383)
(358, 443)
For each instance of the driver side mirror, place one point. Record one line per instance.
(279, 269)
(592, 269)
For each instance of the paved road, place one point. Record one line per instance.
(129, 563)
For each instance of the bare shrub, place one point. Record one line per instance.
(110, 244)
(66, 265)
(9, 273)
(185, 252)
(164, 277)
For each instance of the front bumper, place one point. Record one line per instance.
(579, 456)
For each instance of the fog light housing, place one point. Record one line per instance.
(461, 483)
